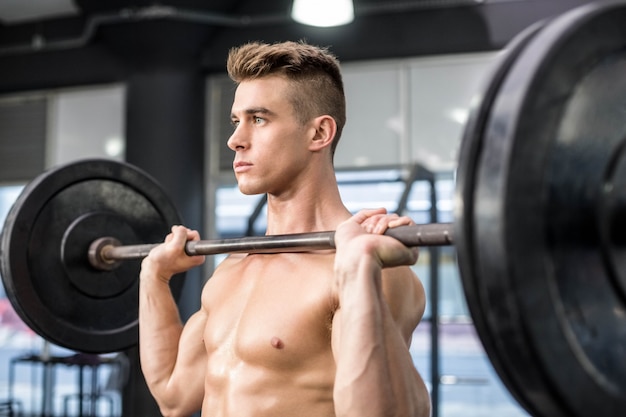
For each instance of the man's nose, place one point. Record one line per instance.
(237, 139)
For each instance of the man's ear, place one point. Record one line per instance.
(325, 130)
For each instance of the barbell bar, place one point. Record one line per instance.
(105, 253)
(540, 209)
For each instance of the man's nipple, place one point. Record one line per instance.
(277, 343)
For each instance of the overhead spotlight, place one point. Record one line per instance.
(323, 13)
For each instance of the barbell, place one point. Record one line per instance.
(538, 229)
(105, 253)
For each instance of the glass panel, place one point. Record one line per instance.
(452, 305)
(469, 385)
(420, 351)
(441, 92)
(233, 209)
(87, 123)
(375, 132)
(368, 195)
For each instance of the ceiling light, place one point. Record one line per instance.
(323, 13)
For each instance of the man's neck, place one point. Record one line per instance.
(314, 210)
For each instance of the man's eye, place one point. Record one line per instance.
(234, 123)
(258, 120)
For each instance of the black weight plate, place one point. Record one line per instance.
(45, 242)
(540, 269)
(469, 159)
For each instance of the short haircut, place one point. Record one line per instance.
(314, 71)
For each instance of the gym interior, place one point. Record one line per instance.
(144, 82)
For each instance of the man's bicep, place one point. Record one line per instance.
(405, 296)
(191, 363)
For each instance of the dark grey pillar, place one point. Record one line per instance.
(165, 137)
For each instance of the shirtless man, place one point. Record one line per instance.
(316, 334)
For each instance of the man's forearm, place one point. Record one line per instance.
(159, 333)
(375, 373)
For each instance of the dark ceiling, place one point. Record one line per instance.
(95, 39)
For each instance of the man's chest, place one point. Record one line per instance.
(272, 310)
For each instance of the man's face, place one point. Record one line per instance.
(270, 144)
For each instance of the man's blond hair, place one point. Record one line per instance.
(314, 71)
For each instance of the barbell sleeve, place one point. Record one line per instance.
(105, 253)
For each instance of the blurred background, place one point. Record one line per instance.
(144, 82)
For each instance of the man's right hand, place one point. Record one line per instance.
(169, 258)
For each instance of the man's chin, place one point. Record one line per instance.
(249, 191)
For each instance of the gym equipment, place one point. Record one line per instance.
(45, 239)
